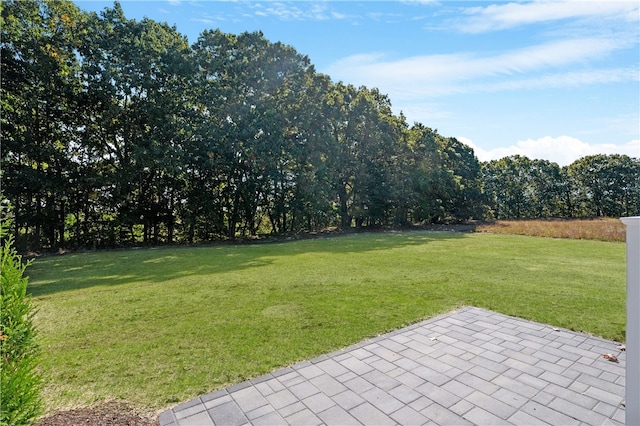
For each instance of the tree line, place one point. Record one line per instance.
(118, 132)
(593, 186)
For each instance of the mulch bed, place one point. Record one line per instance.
(107, 414)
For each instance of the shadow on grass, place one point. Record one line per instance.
(53, 274)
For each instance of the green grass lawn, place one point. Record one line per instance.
(158, 326)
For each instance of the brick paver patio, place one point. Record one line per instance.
(470, 366)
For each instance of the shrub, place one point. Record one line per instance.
(20, 382)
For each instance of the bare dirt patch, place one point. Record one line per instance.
(108, 414)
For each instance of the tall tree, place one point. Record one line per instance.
(365, 137)
(39, 93)
(606, 185)
(546, 188)
(507, 187)
(431, 182)
(465, 199)
(135, 76)
(312, 204)
(230, 106)
(259, 102)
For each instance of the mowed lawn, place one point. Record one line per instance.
(159, 326)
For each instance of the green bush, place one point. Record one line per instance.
(20, 383)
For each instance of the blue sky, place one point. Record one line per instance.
(555, 80)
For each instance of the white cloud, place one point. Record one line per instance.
(419, 1)
(503, 16)
(561, 80)
(429, 75)
(204, 20)
(286, 12)
(563, 150)
(298, 11)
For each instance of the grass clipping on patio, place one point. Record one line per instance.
(159, 326)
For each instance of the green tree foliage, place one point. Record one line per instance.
(364, 137)
(606, 185)
(38, 94)
(117, 132)
(519, 188)
(20, 382)
(600, 185)
(427, 175)
(465, 192)
(444, 178)
(134, 77)
(256, 149)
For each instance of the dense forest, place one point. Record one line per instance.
(117, 132)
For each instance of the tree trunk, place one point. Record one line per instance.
(170, 228)
(61, 223)
(191, 233)
(345, 219)
(38, 228)
(156, 230)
